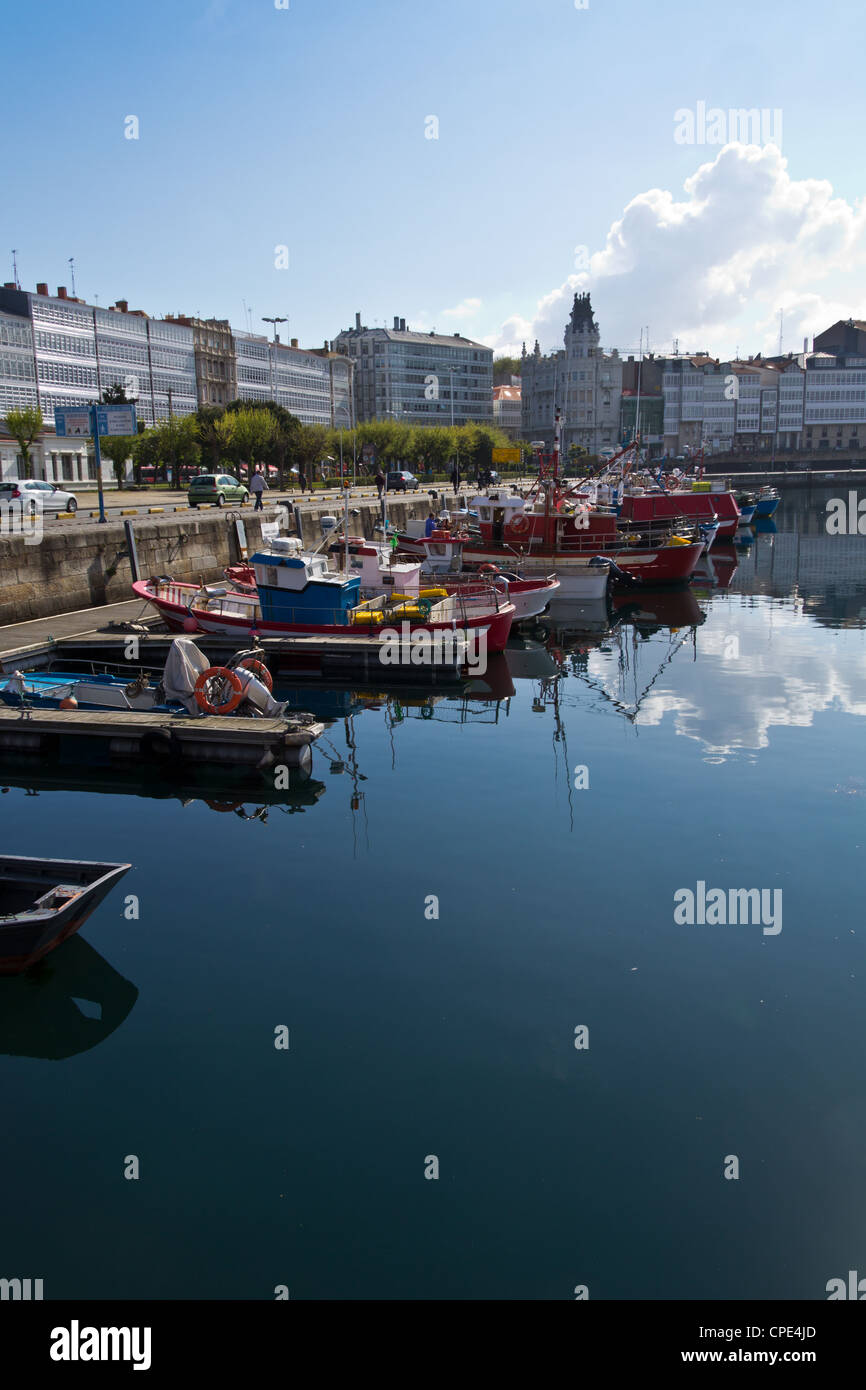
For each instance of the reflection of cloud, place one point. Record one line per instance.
(788, 670)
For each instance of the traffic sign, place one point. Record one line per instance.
(110, 419)
(116, 419)
(70, 423)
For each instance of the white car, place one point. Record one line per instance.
(32, 491)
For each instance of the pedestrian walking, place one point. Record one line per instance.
(380, 482)
(258, 483)
(302, 479)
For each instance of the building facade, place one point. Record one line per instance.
(507, 408)
(582, 380)
(314, 385)
(809, 402)
(418, 378)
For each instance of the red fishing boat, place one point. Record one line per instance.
(558, 527)
(296, 593)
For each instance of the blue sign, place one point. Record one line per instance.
(75, 423)
(115, 419)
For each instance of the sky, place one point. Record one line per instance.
(466, 165)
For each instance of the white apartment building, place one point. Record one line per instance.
(77, 351)
(418, 378)
(316, 386)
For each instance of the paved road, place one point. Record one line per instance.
(145, 502)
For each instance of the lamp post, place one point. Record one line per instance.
(274, 321)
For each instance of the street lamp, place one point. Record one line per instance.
(274, 321)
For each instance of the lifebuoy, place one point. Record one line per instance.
(223, 674)
(258, 668)
(520, 524)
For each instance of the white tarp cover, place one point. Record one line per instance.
(184, 664)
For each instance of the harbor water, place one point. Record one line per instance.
(431, 1024)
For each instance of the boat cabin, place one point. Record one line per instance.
(372, 564)
(297, 588)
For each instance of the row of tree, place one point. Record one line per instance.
(243, 435)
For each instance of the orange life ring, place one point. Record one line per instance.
(520, 524)
(258, 668)
(201, 686)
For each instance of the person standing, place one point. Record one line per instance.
(302, 479)
(258, 483)
(380, 482)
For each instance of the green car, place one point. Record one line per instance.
(216, 487)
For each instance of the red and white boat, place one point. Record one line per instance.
(440, 574)
(558, 528)
(297, 593)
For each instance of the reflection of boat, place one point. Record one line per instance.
(567, 617)
(41, 1013)
(718, 568)
(530, 661)
(674, 609)
(43, 901)
(765, 525)
(218, 787)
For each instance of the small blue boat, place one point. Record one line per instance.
(768, 501)
(188, 685)
(747, 504)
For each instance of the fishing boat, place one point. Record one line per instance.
(188, 684)
(297, 593)
(561, 527)
(442, 572)
(43, 901)
(767, 501)
(747, 503)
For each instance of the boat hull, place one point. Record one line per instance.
(766, 508)
(176, 613)
(25, 941)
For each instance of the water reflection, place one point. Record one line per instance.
(68, 1003)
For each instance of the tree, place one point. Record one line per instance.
(116, 395)
(504, 368)
(25, 426)
(119, 448)
(310, 447)
(206, 418)
(176, 444)
(248, 436)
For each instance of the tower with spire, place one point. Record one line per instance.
(582, 380)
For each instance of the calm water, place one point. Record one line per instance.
(723, 736)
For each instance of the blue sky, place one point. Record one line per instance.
(305, 127)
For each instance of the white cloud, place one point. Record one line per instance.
(714, 268)
(466, 309)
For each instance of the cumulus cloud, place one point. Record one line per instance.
(714, 267)
(465, 309)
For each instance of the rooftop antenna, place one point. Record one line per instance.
(781, 317)
(15, 269)
(676, 347)
(72, 272)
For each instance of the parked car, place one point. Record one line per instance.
(402, 481)
(216, 487)
(30, 490)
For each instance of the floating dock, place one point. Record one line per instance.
(128, 734)
(86, 636)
